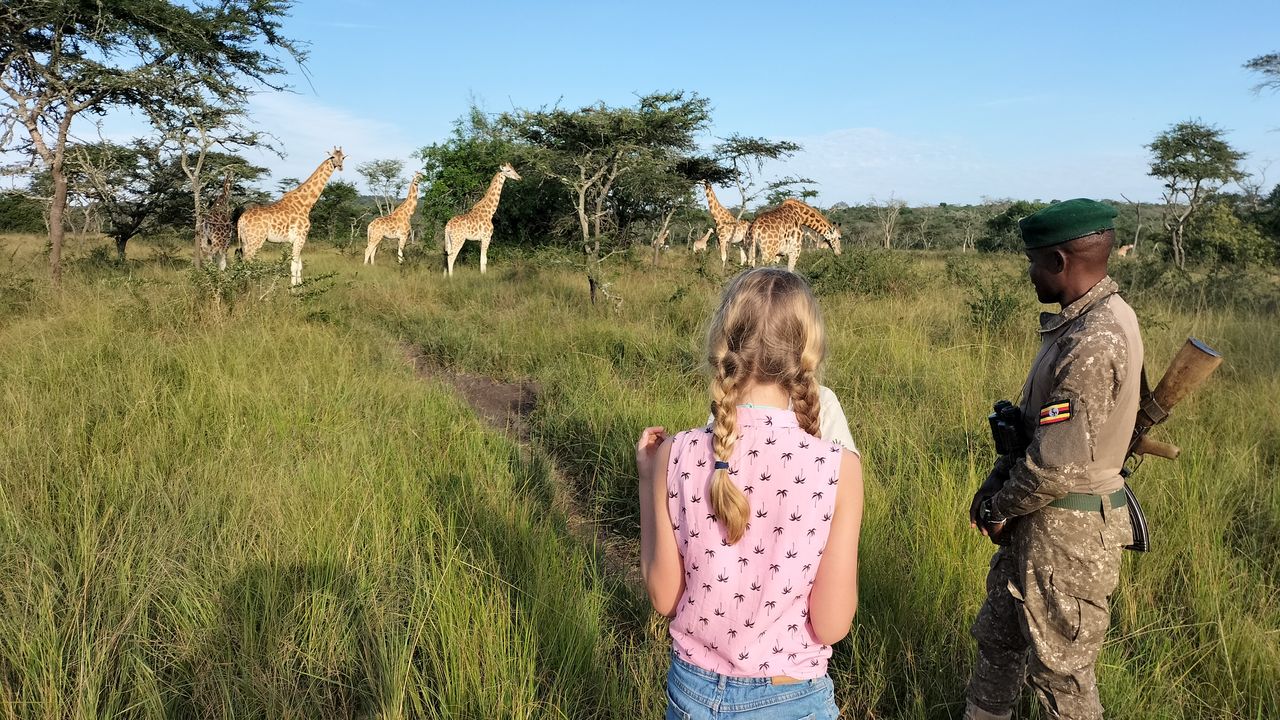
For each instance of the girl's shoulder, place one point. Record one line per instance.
(693, 440)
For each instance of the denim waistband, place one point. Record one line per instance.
(716, 677)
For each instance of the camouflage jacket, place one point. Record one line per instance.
(1079, 404)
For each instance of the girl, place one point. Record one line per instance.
(749, 528)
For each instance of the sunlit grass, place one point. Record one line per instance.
(263, 512)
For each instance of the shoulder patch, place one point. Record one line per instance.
(1055, 412)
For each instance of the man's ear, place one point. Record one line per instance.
(1057, 261)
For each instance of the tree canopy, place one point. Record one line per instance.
(60, 59)
(1194, 161)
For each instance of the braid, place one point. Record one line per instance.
(804, 401)
(728, 503)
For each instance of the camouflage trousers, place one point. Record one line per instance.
(1047, 611)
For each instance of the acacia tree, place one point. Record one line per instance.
(887, 214)
(1269, 66)
(203, 126)
(1194, 162)
(141, 187)
(589, 149)
(61, 59)
(385, 179)
(745, 157)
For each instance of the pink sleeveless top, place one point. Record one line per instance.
(745, 606)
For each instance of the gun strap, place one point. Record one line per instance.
(1147, 404)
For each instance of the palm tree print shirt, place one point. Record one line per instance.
(745, 606)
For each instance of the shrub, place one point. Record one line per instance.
(225, 287)
(963, 270)
(17, 292)
(996, 305)
(875, 273)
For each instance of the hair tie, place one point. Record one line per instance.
(722, 464)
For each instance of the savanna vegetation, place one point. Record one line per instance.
(241, 501)
(222, 498)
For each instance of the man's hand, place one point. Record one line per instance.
(647, 450)
(989, 487)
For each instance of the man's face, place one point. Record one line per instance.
(1044, 267)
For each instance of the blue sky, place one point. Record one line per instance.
(926, 101)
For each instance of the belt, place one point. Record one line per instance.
(1090, 503)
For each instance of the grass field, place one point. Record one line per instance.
(260, 509)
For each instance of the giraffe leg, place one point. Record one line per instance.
(370, 250)
(450, 252)
(400, 248)
(222, 259)
(295, 265)
(742, 256)
(484, 255)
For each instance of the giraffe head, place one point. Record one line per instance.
(509, 172)
(832, 237)
(336, 157)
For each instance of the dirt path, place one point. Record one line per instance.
(507, 406)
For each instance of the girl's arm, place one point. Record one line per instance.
(834, 597)
(660, 561)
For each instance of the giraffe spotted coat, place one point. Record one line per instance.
(780, 231)
(477, 223)
(395, 224)
(287, 220)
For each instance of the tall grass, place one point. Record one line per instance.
(263, 512)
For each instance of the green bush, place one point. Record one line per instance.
(996, 305)
(963, 270)
(873, 273)
(17, 292)
(224, 288)
(1222, 286)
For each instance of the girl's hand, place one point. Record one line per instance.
(647, 450)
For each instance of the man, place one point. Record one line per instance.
(1059, 508)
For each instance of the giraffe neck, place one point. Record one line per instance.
(489, 203)
(224, 198)
(410, 201)
(718, 211)
(308, 192)
(815, 220)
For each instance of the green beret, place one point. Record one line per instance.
(1065, 221)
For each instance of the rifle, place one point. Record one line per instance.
(1193, 364)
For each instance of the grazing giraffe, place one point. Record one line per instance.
(729, 230)
(288, 219)
(700, 245)
(476, 223)
(216, 226)
(394, 224)
(778, 232)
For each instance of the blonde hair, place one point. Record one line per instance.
(768, 329)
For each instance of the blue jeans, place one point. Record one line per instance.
(697, 694)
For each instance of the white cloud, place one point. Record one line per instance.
(307, 129)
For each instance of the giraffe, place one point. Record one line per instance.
(394, 224)
(216, 226)
(476, 223)
(700, 245)
(729, 230)
(288, 219)
(1124, 250)
(778, 231)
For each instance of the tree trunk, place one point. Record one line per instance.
(197, 250)
(56, 231)
(120, 243)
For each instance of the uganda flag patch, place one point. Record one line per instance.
(1055, 412)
